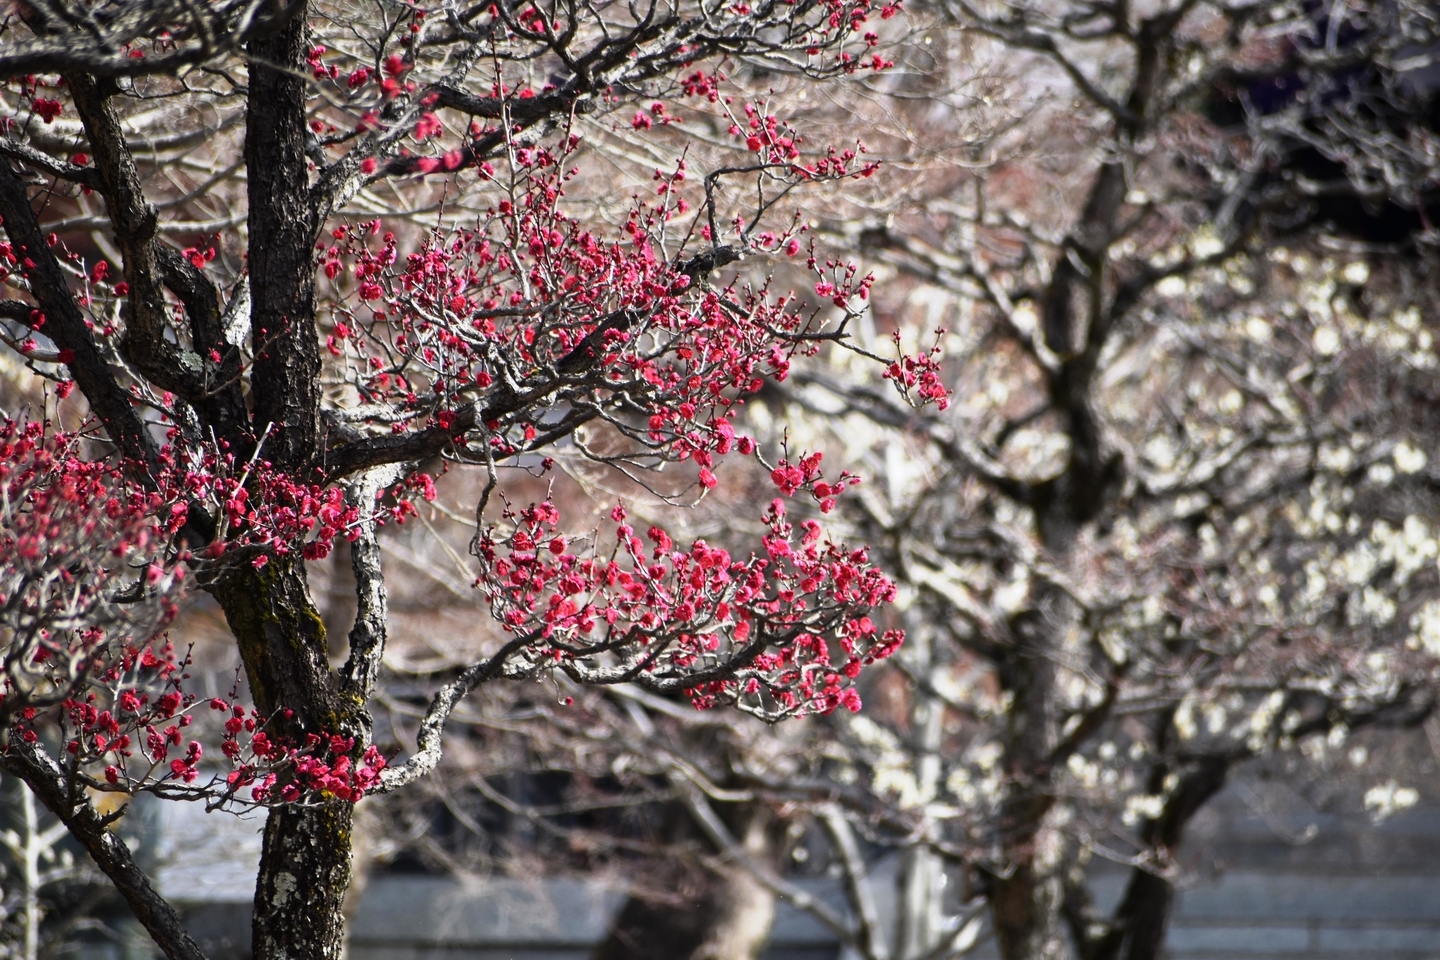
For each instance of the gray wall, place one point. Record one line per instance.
(1263, 881)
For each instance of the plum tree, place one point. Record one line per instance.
(271, 358)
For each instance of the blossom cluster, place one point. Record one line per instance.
(527, 313)
(663, 612)
(81, 563)
(130, 730)
(920, 375)
(277, 770)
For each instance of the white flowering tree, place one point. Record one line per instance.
(1181, 513)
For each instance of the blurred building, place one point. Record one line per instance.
(1270, 878)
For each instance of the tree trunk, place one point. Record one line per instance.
(748, 913)
(744, 908)
(1025, 903)
(655, 931)
(305, 861)
(281, 219)
(729, 920)
(1145, 912)
(300, 891)
(1025, 906)
(920, 877)
(1137, 931)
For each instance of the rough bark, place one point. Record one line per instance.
(134, 221)
(66, 325)
(300, 890)
(283, 645)
(281, 222)
(305, 860)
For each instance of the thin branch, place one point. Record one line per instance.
(30, 763)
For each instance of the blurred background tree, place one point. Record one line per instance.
(1180, 515)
